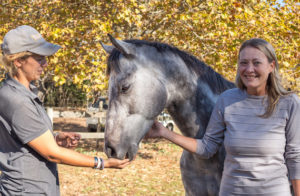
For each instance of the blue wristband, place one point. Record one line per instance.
(95, 162)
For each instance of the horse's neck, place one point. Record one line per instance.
(192, 106)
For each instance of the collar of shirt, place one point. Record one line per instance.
(32, 93)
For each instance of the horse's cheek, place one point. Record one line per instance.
(157, 102)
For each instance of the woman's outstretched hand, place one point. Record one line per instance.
(116, 163)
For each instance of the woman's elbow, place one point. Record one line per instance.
(203, 151)
(53, 155)
(53, 159)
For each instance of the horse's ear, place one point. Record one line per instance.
(125, 48)
(107, 48)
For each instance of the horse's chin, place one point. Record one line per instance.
(132, 151)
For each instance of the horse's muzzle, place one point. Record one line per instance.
(121, 152)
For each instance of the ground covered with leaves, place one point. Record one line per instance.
(155, 171)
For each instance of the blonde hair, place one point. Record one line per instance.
(274, 88)
(8, 61)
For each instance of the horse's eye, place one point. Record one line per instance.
(125, 88)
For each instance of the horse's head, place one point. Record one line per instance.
(136, 97)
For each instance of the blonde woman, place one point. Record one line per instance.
(259, 124)
(28, 150)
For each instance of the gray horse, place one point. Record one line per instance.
(146, 77)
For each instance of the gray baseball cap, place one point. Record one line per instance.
(25, 38)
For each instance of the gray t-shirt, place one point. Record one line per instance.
(261, 153)
(22, 119)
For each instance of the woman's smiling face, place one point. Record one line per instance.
(254, 69)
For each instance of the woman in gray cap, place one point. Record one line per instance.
(28, 149)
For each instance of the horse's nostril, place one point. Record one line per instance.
(110, 151)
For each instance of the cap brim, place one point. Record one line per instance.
(46, 49)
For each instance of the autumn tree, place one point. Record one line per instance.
(212, 30)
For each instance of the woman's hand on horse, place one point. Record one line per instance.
(116, 163)
(157, 130)
(67, 139)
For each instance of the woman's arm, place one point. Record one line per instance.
(158, 130)
(296, 187)
(205, 147)
(46, 146)
(292, 148)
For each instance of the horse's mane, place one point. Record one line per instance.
(216, 82)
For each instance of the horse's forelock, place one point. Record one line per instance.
(113, 63)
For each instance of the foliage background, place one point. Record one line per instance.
(212, 30)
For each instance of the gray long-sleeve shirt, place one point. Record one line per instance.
(261, 153)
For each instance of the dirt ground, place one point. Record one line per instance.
(155, 171)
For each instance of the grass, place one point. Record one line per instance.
(155, 171)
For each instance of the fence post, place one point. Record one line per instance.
(50, 113)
